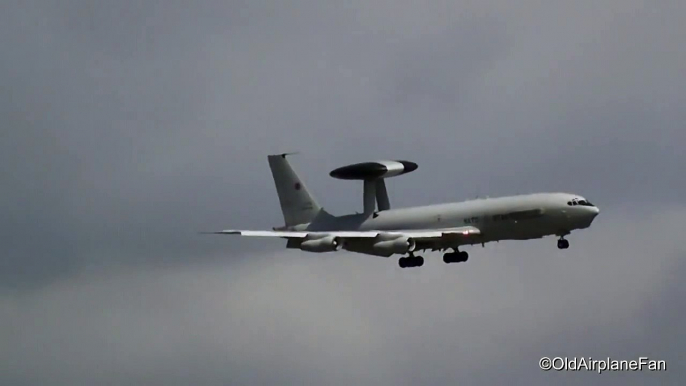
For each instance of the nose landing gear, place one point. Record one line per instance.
(562, 243)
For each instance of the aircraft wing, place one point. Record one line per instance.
(419, 234)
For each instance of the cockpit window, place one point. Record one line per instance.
(579, 202)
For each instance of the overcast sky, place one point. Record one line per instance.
(128, 126)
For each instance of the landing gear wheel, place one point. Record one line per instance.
(455, 257)
(562, 244)
(411, 261)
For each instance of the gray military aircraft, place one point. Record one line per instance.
(383, 231)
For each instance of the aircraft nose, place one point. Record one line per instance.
(594, 211)
(586, 218)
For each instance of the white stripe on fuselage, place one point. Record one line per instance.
(394, 168)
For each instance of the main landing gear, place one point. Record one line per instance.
(562, 243)
(455, 257)
(411, 261)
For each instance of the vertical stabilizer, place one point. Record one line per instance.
(297, 204)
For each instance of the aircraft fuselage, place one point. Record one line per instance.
(519, 217)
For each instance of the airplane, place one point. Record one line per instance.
(382, 231)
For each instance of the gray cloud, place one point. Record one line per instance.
(350, 319)
(129, 126)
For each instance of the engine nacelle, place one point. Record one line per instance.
(399, 245)
(324, 244)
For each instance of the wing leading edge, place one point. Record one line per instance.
(415, 234)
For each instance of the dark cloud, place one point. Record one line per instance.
(130, 126)
(287, 317)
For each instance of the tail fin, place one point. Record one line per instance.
(297, 204)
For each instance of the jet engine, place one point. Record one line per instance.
(399, 245)
(324, 244)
